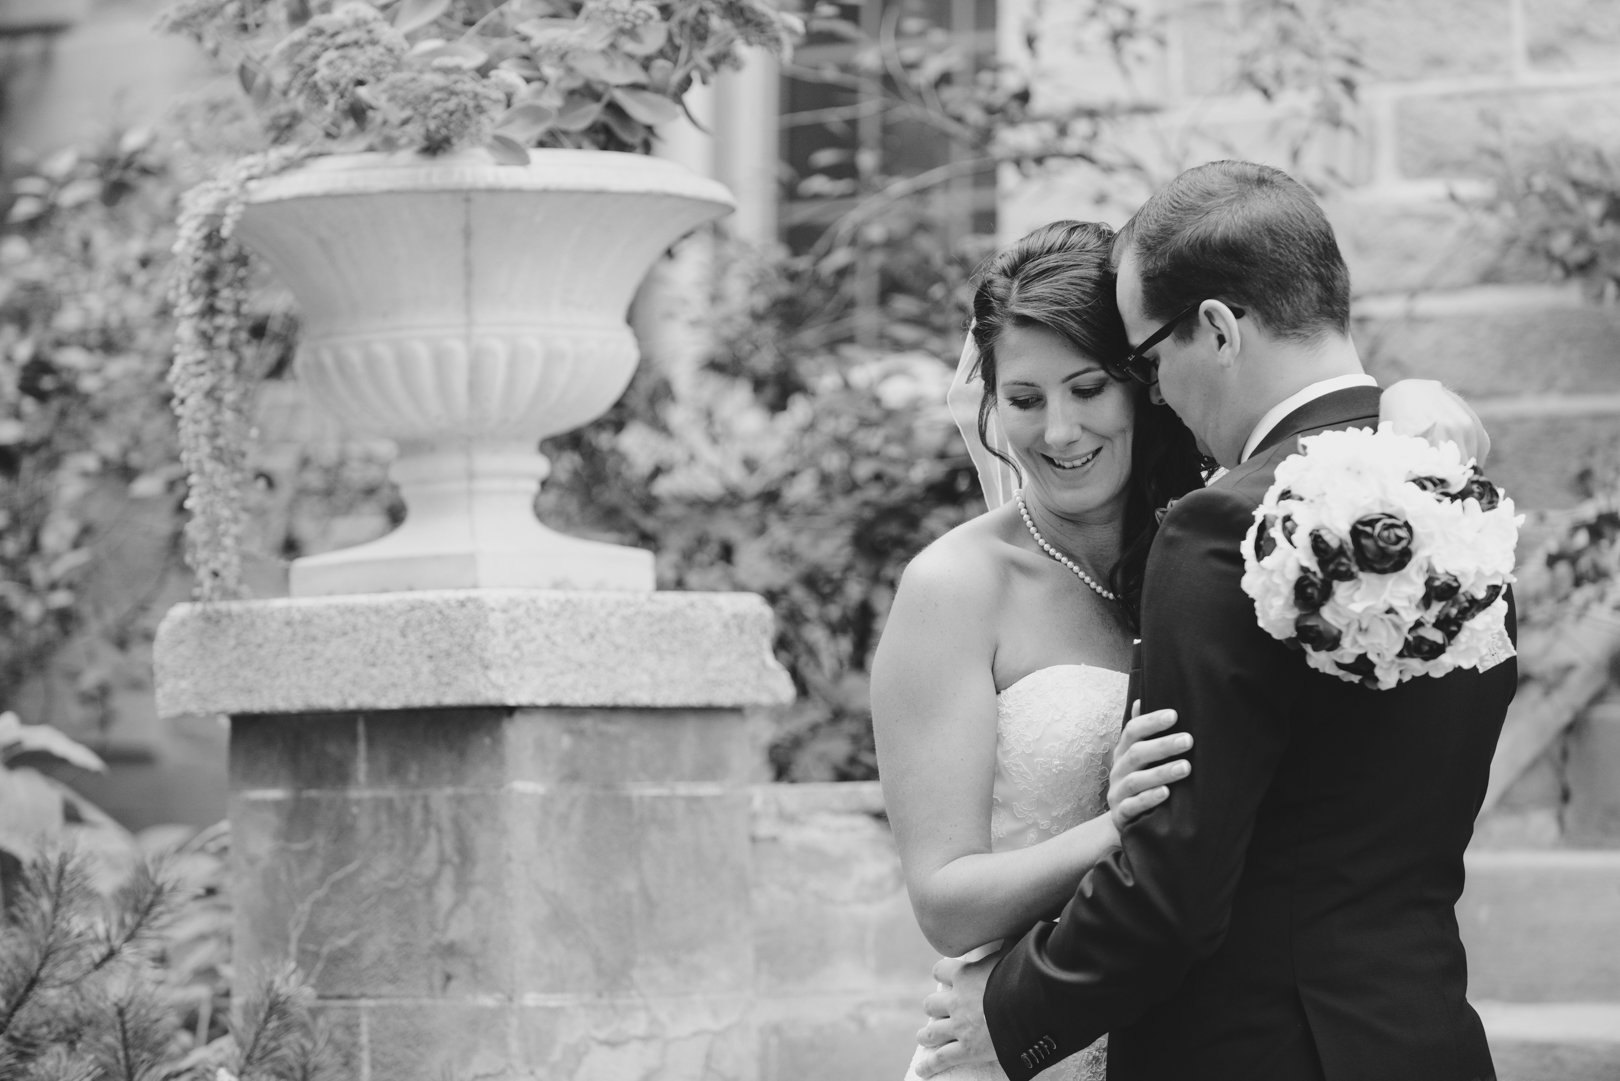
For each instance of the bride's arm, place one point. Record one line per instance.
(934, 715)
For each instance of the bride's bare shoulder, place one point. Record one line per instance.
(969, 564)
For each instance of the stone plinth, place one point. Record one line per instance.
(476, 647)
(505, 833)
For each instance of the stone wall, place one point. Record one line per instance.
(841, 967)
(1570, 796)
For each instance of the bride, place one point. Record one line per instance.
(999, 686)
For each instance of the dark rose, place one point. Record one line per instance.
(1314, 631)
(1289, 528)
(1311, 591)
(1461, 608)
(1448, 622)
(1489, 496)
(1440, 587)
(1362, 666)
(1382, 543)
(1473, 606)
(1264, 542)
(1425, 643)
(1333, 557)
(1432, 485)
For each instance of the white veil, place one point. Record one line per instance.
(997, 479)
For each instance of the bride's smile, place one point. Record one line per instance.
(1075, 463)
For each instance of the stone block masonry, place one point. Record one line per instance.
(504, 832)
(496, 890)
(842, 967)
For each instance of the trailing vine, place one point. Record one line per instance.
(211, 391)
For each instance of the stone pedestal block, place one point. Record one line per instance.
(504, 833)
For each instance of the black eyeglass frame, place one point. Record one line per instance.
(1146, 371)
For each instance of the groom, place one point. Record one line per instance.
(1288, 913)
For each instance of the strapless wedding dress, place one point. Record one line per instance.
(1055, 729)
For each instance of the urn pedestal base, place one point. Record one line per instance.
(470, 524)
(535, 558)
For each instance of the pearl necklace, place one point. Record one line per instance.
(1057, 555)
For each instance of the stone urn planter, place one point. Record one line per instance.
(468, 310)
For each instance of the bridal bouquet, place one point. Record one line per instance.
(1384, 557)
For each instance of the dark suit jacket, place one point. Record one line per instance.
(1289, 912)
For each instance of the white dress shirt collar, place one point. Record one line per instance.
(1316, 390)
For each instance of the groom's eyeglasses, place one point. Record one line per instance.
(1145, 370)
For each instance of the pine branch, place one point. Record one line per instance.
(274, 1030)
(314, 1060)
(122, 1045)
(11, 1062)
(57, 1064)
(54, 898)
(142, 906)
(136, 1035)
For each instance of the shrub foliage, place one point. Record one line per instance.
(95, 987)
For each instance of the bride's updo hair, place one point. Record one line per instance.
(1061, 277)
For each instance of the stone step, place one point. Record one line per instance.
(1542, 926)
(1542, 1041)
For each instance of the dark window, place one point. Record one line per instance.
(847, 128)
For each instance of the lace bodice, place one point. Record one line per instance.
(1055, 729)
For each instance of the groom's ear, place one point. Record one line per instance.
(1223, 323)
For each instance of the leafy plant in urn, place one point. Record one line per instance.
(459, 195)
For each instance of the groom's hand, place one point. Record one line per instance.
(956, 1034)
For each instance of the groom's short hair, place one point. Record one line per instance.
(1246, 234)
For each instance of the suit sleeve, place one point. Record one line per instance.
(1161, 902)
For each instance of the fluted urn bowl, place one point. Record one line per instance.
(468, 310)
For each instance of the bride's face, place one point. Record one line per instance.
(1069, 422)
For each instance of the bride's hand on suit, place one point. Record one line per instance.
(1140, 778)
